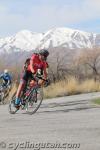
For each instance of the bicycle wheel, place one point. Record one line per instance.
(34, 101)
(12, 108)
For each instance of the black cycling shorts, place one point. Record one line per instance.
(26, 75)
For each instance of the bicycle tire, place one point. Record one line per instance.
(39, 97)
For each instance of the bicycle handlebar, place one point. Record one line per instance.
(36, 78)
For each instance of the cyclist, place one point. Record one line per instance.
(37, 61)
(6, 77)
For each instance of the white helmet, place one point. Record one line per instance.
(5, 71)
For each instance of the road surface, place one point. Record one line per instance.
(65, 123)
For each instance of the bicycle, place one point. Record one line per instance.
(31, 98)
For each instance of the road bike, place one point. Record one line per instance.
(31, 98)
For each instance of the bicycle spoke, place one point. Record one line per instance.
(34, 102)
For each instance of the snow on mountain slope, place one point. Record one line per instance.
(27, 40)
(68, 38)
(24, 40)
(63, 37)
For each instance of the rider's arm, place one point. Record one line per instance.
(9, 79)
(45, 71)
(45, 74)
(8, 82)
(32, 64)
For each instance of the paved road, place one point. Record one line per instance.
(61, 122)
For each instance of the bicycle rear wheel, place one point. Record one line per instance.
(34, 101)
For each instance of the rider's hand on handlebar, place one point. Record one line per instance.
(47, 83)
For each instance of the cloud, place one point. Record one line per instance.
(67, 13)
(92, 8)
(43, 15)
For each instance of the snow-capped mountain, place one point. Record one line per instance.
(57, 37)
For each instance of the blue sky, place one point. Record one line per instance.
(42, 15)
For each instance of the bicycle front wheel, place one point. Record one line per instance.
(34, 101)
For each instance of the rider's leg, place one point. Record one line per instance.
(4, 84)
(20, 89)
(24, 80)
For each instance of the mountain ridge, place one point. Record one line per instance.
(26, 40)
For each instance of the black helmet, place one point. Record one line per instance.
(44, 52)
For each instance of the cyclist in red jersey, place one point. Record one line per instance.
(37, 61)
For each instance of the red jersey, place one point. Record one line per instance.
(37, 63)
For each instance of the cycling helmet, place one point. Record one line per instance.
(5, 71)
(44, 52)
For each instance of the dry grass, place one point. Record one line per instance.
(71, 86)
(62, 88)
(89, 86)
